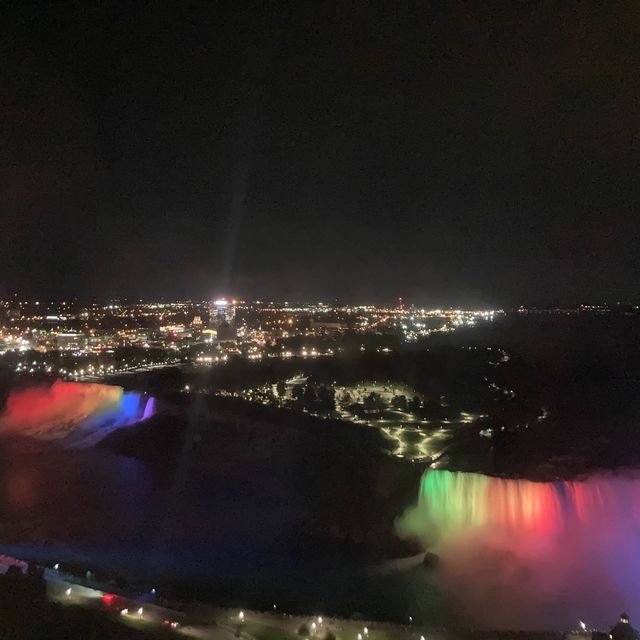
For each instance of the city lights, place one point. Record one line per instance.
(91, 343)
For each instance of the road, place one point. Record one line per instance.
(145, 616)
(216, 623)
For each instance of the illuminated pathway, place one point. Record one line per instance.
(411, 438)
(416, 444)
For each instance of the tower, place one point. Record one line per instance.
(221, 310)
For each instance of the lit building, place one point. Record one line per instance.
(222, 311)
(71, 341)
(327, 325)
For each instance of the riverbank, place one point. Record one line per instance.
(152, 614)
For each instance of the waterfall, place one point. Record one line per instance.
(517, 552)
(79, 413)
(149, 409)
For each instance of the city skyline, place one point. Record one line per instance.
(214, 301)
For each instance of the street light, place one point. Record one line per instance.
(241, 616)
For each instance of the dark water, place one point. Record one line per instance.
(48, 493)
(232, 540)
(99, 501)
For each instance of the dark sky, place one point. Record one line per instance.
(450, 152)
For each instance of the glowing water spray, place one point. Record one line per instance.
(79, 413)
(532, 554)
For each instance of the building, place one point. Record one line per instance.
(226, 333)
(222, 310)
(70, 341)
(327, 325)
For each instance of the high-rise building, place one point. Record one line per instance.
(222, 310)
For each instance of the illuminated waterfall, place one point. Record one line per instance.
(533, 554)
(80, 413)
(149, 408)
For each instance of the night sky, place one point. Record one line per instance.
(448, 152)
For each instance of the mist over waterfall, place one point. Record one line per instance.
(523, 554)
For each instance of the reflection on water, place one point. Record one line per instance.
(48, 493)
(101, 502)
(21, 491)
